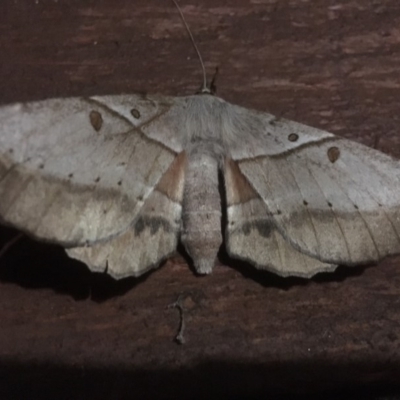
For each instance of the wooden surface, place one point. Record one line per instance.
(332, 65)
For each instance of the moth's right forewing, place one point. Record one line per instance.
(331, 198)
(251, 233)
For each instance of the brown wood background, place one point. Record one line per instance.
(66, 333)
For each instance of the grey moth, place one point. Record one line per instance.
(119, 180)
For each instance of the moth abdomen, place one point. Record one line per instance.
(202, 236)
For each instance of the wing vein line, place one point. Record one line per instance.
(15, 197)
(105, 107)
(333, 213)
(357, 210)
(377, 202)
(9, 170)
(360, 213)
(302, 196)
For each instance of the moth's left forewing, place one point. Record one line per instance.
(330, 198)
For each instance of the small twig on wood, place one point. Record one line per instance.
(179, 338)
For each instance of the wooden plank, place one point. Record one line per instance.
(248, 333)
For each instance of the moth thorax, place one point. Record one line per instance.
(201, 235)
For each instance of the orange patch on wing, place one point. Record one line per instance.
(173, 181)
(238, 188)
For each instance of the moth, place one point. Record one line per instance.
(119, 180)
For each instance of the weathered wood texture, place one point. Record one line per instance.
(333, 65)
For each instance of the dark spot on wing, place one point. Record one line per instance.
(305, 202)
(333, 154)
(135, 113)
(70, 175)
(96, 120)
(154, 223)
(274, 121)
(264, 228)
(293, 137)
(97, 179)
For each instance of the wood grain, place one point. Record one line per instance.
(63, 330)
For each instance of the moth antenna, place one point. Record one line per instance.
(204, 89)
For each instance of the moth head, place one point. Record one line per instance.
(212, 88)
(204, 90)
